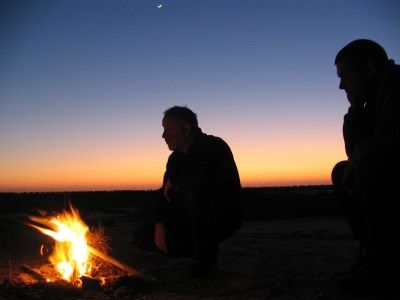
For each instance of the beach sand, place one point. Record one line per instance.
(266, 259)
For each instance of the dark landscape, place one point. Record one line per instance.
(292, 239)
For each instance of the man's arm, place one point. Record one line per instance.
(160, 237)
(357, 128)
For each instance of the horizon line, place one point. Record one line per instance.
(150, 190)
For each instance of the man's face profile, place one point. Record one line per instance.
(354, 82)
(174, 134)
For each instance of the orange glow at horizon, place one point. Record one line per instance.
(257, 169)
(263, 161)
(90, 178)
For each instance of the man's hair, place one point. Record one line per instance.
(361, 51)
(182, 113)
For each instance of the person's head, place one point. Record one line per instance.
(358, 65)
(180, 124)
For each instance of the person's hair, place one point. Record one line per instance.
(182, 113)
(359, 52)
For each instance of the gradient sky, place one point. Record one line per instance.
(84, 84)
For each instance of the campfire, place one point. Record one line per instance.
(79, 255)
(70, 260)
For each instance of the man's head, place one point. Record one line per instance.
(180, 124)
(358, 65)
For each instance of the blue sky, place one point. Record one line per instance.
(83, 85)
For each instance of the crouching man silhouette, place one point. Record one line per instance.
(200, 203)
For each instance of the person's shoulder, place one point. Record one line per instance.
(210, 139)
(391, 78)
(393, 71)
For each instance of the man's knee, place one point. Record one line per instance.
(143, 237)
(337, 173)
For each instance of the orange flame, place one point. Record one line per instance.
(70, 255)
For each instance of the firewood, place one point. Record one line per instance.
(27, 269)
(90, 283)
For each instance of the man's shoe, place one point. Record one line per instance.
(372, 277)
(361, 257)
(355, 267)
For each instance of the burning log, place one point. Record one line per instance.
(39, 277)
(90, 283)
(115, 262)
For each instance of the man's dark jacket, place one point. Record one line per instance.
(208, 173)
(372, 133)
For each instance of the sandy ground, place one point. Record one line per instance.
(279, 259)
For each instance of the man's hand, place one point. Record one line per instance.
(160, 237)
(356, 103)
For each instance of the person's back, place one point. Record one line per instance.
(209, 166)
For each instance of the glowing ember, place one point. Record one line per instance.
(71, 255)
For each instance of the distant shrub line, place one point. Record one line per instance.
(262, 203)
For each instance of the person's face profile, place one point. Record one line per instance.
(354, 82)
(174, 134)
